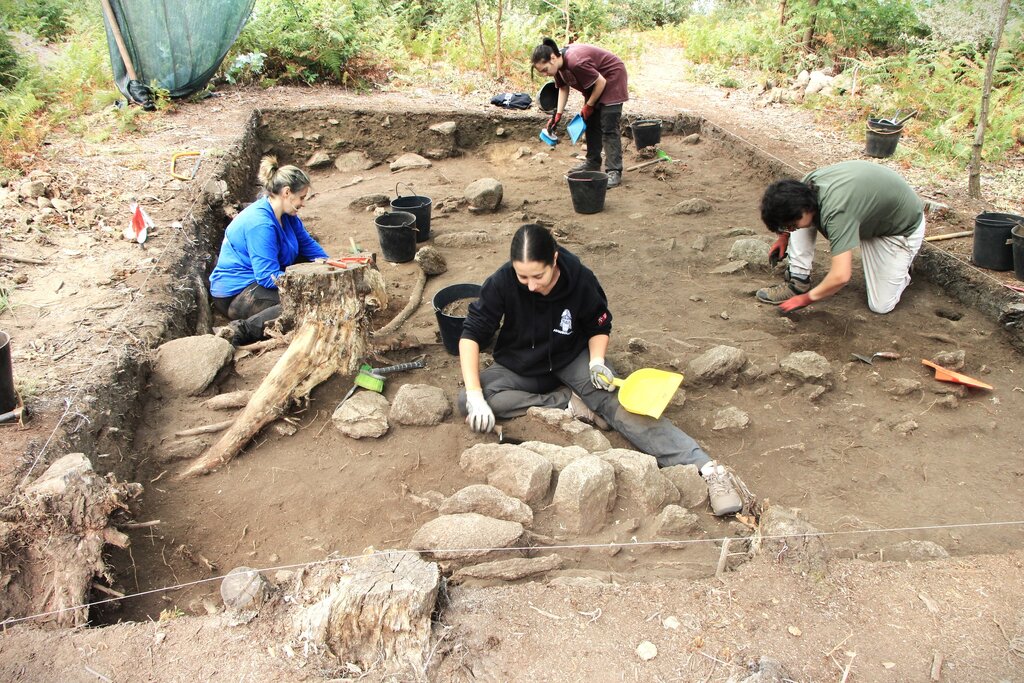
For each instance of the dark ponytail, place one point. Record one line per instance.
(533, 242)
(547, 49)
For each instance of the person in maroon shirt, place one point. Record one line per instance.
(602, 78)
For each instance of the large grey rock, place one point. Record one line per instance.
(638, 482)
(484, 193)
(510, 570)
(768, 671)
(731, 418)
(188, 365)
(691, 206)
(466, 238)
(488, 501)
(559, 456)
(808, 366)
(715, 365)
(676, 521)
(364, 415)
(903, 386)
(788, 539)
(420, 405)
(244, 589)
(753, 251)
(585, 494)
(350, 162)
(409, 160)
(517, 471)
(368, 200)
(585, 436)
(32, 189)
(693, 490)
(320, 159)
(431, 261)
(465, 536)
(446, 128)
(915, 550)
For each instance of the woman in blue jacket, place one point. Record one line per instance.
(263, 240)
(553, 327)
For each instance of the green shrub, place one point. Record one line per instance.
(48, 20)
(10, 64)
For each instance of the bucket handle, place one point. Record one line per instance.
(408, 186)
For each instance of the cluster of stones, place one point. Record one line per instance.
(481, 529)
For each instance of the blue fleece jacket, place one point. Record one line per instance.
(257, 248)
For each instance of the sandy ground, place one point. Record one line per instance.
(836, 458)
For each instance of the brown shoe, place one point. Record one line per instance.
(784, 290)
(578, 410)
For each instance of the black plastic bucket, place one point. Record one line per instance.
(418, 206)
(8, 397)
(587, 189)
(881, 138)
(992, 248)
(547, 98)
(397, 234)
(1017, 233)
(451, 325)
(646, 132)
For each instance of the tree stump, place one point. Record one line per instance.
(375, 615)
(52, 540)
(329, 308)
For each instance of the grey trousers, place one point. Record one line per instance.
(603, 132)
(254, 306)
(510, 394)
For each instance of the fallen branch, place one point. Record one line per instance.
(414, 301)
(949, 236)
(140, 525)
(646, 164)
(228, 401)
(205, 429)
(24, 259)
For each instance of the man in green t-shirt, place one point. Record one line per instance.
(852, 203)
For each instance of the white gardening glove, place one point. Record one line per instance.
(601, 375)
(481, 417)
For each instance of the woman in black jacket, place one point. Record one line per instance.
(553, 327)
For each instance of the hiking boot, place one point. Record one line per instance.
(578, 410)
(232, 332)
(721, 493)
(784, 290)
(614, 179)
(585, 166)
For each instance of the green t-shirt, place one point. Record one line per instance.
(858, 200)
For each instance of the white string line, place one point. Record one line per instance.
(571, 546)
(124, 311)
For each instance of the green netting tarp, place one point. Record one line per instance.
(177, 44)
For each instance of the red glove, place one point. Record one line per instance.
(778, 250)
(586, 111)
(553, 121)
(793, 303)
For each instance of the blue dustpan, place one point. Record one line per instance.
(576, 128)
(548, 138)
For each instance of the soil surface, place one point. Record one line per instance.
(859, 459)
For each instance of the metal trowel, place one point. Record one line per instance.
(870, 360)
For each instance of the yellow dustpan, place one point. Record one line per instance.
(945, 375)
(647, 391)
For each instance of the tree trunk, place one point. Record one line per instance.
(974, 168)
(813, 13)
(480, 33)
(498, 56)
(330, 309)
(782, 13)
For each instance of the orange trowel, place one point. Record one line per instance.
(946, 375)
